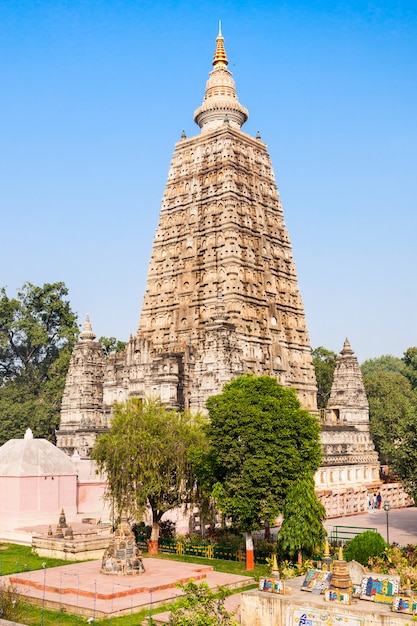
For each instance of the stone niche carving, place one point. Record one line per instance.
(123, 556)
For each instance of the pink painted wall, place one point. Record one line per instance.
(27, 501)
(36, 499)
(91, 498)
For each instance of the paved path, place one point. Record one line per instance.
(402, 524)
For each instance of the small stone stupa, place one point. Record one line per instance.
(341, 584)
(123, 556)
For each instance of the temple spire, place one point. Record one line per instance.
(87, 334)
(220, 100)
(347, 350)
(220, 56)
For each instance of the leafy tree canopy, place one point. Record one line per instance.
(34, 327)
(37, 332)
(261, 442)
(391, 400)
(146, 458)
(384, 363)
(410, 362)
(111, 345)
(405, 457)
(324, 362)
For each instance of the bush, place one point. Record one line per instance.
(11, 607)
(167, 529)
(214, 532)
(201, 606)
(140, 530)
(264, 545)
(365, 546)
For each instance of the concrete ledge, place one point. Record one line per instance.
(77, 549)
(259, 608)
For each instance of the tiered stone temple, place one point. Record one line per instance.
(349, 457)
(222, 295)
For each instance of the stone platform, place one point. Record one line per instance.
(79, 588)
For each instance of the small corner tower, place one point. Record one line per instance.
(82, 403)
(348, 403)
(349, 457)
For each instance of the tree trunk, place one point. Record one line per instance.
(267, 531)
(250, 556)
(153, 541)
(299, 557)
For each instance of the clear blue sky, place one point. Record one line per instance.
(94, 94)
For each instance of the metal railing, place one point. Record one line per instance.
(208, 551)
(342, 534)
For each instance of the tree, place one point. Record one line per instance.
(410, 362)
(302, 530)
(384, 363)
(405, 458)
(37, 332)
(111, 345)
(324, 362)
(33, 329)
(391, 400)
(145, 456)
(261, 442)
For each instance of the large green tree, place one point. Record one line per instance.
(391, 401)
(262, 441)
(324, 362)
(384, 363)
(146, 457)
(37, 332)
(302, 529)
(405, 458)
(410, 362)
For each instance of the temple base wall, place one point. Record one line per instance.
(259, 608)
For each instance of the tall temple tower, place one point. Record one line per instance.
(222, 295)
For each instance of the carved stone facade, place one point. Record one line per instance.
(222, 294)
(349, 456)
(82, 416)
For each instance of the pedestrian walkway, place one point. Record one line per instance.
(402, 524)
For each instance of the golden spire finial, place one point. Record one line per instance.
(220, 102)
(220, 57)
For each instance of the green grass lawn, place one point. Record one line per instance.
(218, 565)
(15, 558)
